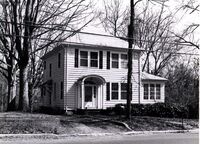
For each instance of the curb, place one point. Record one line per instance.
(56, 136)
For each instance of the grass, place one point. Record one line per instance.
(15, 123)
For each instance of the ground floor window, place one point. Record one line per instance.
(151, 91)
(116, 91)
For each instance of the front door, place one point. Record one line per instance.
(90, 96)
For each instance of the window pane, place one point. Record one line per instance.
(152, 92)
(123, 86)
(115, 86)
(94, 55)
(115, 64)
(115, 92)
(115, 56)
(84, 54)
(158, 91)
(94, 63)
(146, 91)
(115, 95)
(123, 95)
(124, 57)
(84, 62)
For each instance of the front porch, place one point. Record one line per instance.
(90, 92)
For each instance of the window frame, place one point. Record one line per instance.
(97, 59)
(114, 91)
(123, 91)
(154, 91)
(123, 60)
(88, 58)
(118, 61)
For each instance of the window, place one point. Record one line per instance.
(44, 65)
(123, 90)
(50, 68)
(115, 89)
(61, 90)
(157, 91)
(152, 91)
(146, 91)
(115, 60)
(124, 61)
(54, 91)
(59, 56)
(93, 59)
(84, 58)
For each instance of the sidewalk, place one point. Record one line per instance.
(61, 136)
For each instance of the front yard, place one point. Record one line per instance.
(14, 123)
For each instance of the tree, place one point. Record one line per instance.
(43, 20)
(114, 17)
(182, 86)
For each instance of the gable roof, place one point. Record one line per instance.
(147, 76)
(99, 40)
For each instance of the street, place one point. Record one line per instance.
(172, 138)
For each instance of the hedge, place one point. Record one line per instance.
(154, 110)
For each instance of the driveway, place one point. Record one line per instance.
(171, 138)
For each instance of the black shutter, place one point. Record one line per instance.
(107, 91)
(101, 60)
(76, 58)
(108, 60)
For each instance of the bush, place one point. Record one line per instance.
(50, 110)
(154, 110)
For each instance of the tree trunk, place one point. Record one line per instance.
(23, 90)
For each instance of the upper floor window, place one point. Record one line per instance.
(124, 61)
(93, 59)
(50, 69)
(59, 59)
(44, 65)
(115, 60)
(84, 58)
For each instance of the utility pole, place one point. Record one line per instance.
(130, 61)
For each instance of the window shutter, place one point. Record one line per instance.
(76, 58)
(107, 91)
(108, 60)
(101, 60)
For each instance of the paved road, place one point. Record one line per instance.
(178, 138)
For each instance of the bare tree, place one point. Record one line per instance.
(115, 18)
(44, 20)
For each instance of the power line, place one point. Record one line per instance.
(174, 53)
(89, 33)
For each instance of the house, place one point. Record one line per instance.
(89, 72)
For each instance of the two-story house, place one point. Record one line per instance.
(90, 72)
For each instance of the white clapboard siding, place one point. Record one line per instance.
(112, 75)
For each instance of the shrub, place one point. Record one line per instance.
(50, 110)
(154, 110)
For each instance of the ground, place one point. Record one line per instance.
(24, 123)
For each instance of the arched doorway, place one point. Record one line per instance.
(91, 92)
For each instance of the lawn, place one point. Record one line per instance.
(14, 123)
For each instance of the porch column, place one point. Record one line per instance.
(82, 95)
